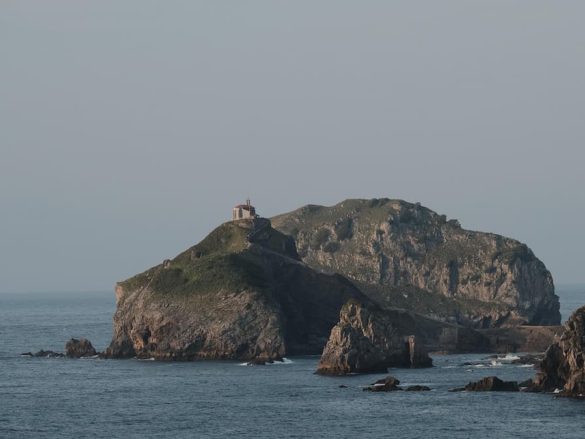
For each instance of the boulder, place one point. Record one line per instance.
(77, 348)
(417, 388)
(492, 384)
(388, 384)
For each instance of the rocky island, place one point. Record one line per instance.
(369, 284)
(243, 293)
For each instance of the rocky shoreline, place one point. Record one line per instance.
(560, 370)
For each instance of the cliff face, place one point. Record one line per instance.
(368, 339)
(405, 255)
(563, 366)
(241, 293)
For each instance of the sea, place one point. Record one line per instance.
(95, 398)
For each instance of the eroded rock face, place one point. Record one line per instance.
(407, 256)
(563, 366)
(367, 339)
(77, 348)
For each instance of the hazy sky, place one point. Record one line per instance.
(128, 129)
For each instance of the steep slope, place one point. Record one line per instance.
(241, 293)
(407, 256)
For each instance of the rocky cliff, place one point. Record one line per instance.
(563, 366)
(407, 256)
(368, 339)
(241, 293)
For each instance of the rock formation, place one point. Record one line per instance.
(77, 348)
(245, 293)
(491, 384)
(391, 384)
(563, 366)
(368, 339)
(43, 354)
(388, 384)
(407, 256)
(417, 388)
(74, 348)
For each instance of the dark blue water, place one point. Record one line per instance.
(60, 398)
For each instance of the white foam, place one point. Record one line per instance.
(284, 361)
(509, 357)
(526, 365)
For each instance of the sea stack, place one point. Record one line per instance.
(368, 339)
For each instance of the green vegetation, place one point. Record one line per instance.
(427, 303)
(219, 262)
(378, 210)
(331, 247)
(510, 255)
(343, 229)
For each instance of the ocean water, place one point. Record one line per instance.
(87, 398)
(572, 296)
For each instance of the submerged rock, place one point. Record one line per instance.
(417, 388)
(492, 384)
(43, 354)
(368, 339)
(388, 384)
(77, 348)
(563, 366)
(391, 384)
(529, 359)
(262, 362)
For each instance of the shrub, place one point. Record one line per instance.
(343, 229)
(331, 247)
(320, 237)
